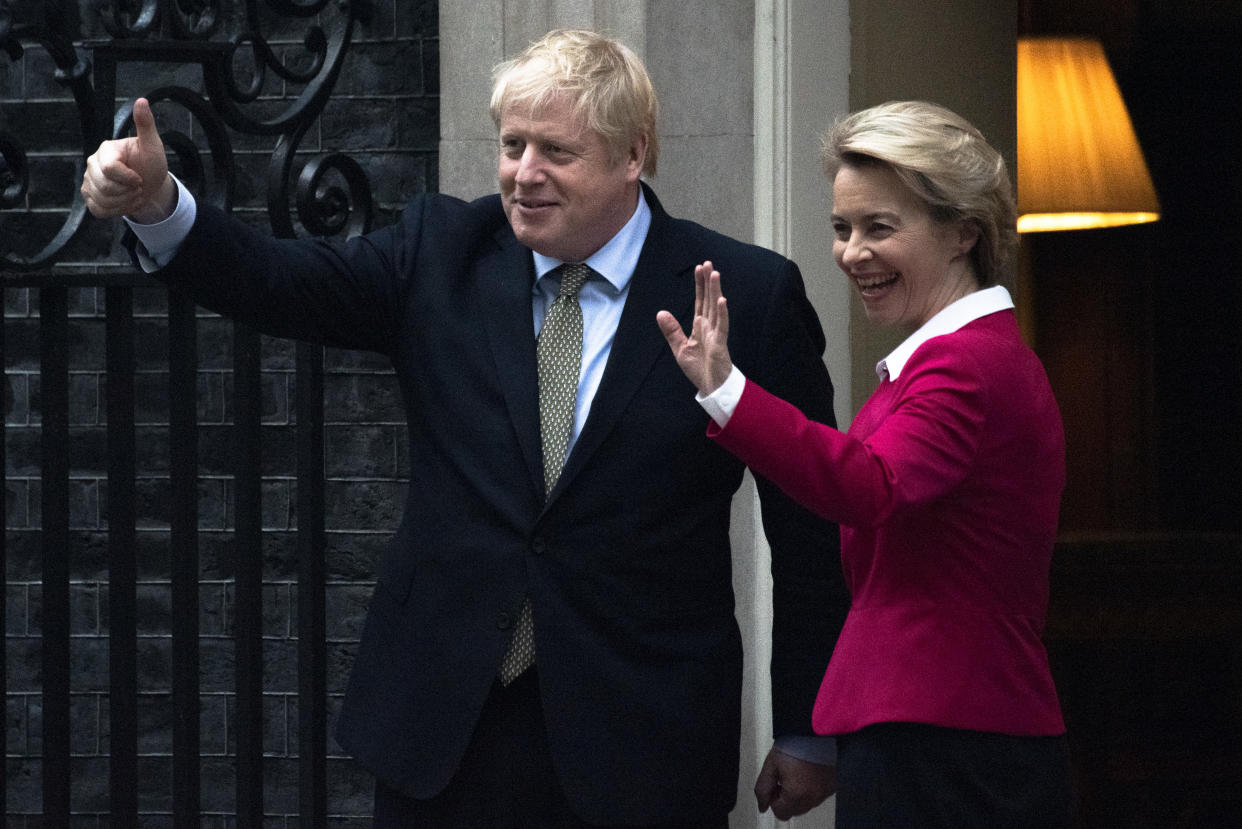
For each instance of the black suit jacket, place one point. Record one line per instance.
(627, 563)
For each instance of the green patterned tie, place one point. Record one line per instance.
(559, 352)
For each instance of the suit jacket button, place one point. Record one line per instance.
(538, 546)
(503, 620)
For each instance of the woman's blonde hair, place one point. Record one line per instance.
(944, 161)
(607, 83)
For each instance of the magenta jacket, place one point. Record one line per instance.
(947, 489)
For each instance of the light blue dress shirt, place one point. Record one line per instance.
(602, 299)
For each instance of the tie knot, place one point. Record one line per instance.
(573, 277)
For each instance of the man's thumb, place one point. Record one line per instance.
(144, 126)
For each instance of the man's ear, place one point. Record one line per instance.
(636, 157)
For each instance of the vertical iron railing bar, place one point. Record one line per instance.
(183, 530)
(122, 560)
(4, 566)
(54, 626)
(312, 627)
(248, 574)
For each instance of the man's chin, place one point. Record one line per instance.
(536, 238)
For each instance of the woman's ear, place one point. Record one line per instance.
(967, 235)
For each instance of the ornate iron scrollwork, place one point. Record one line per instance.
(49, 24)
(227, 41)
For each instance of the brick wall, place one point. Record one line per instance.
(384, 114)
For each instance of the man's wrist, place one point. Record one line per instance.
(161, 207)
(811, 748)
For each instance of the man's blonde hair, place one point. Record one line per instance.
(606, 82)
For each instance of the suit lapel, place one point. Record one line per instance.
(662, 281)
(503, 296)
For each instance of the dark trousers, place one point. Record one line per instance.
(902, 776)
(506, 779)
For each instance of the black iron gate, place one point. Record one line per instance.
(249, 80)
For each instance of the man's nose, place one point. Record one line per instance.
(530, 166)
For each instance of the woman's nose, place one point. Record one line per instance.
(855, 251)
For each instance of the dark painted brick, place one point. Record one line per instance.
(24, 787)
(34, 733)
(360, 452)
(431, 65)
(23, 555)
(89, 664)
(153, 609)
(213, 721)
(370, 398)
(417, 19)
(368, 503)
(155, 782)
(86, 403)
(15, 610)
(89, 555)
(16, 512)
(216, 662)
(218, 782)
(339, 360)
(52, 182)
(393, 60)
(212, 609)
(21, 343)
(84, 609)
(347, 607)
(89, 791)
(352, 555)
(50, 126)
(84, 736)
(15, 724)
(340, 660)
(22, 660)
(358, 124)
(383, 69)
(154, 664)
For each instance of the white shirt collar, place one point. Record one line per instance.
(957, 314)
(616, 260)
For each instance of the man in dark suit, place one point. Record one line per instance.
(552, 639)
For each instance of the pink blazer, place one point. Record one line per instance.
(947, 489)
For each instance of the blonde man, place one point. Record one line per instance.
(551, 642)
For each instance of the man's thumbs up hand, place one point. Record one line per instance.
(129, 176)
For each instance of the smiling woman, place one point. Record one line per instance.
(906, 265)
(947, 487)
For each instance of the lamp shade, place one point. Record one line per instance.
(1079, 162)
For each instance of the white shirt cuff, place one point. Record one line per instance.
(158, 243)
(721, 403)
